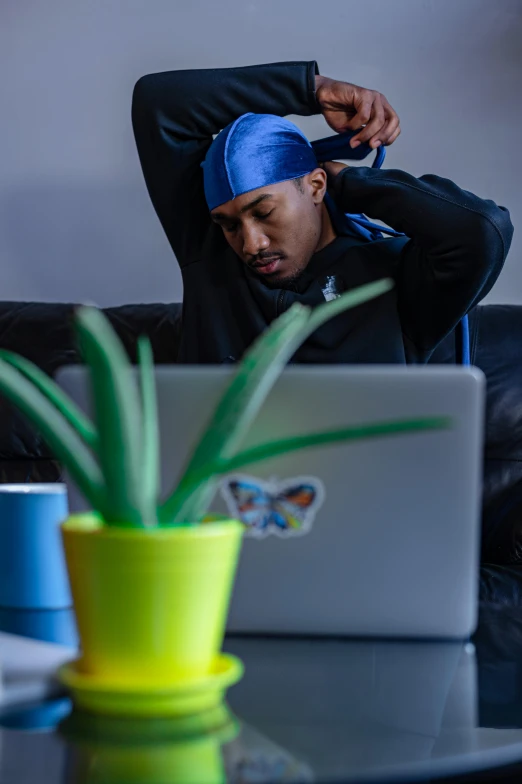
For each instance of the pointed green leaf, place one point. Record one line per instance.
(237, 408)
(57, 432)
(118, 418)
(283, 446)
(150, 427)
(76, 418)
(322, 438)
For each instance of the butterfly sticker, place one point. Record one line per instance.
(284, 508)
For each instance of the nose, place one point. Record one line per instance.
(254, 240)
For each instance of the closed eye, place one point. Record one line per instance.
(231, 227)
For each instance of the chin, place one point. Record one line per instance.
(280, 280)
(289, 277)
(284, 275)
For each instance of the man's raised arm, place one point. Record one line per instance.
(175, 116)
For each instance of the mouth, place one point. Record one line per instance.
(267, 266)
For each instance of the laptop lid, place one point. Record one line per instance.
(385, 532)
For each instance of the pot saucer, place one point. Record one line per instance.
(180, 698)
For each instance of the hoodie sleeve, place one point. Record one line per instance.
(456, 249)
(175, 116)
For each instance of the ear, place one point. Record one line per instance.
(316, 182)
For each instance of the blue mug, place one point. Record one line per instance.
(33, 573)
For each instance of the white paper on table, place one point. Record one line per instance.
(28, 668)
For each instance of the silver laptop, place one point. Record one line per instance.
(370, 538)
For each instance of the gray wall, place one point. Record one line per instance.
(75, 220)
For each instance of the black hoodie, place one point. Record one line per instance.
(457, 247)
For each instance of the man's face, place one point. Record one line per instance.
(276, 230)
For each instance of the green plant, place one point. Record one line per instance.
(114, 459)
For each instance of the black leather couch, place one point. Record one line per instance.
(44, 334)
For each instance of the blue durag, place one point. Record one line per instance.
(258, 150)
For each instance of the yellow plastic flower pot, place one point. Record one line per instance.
(151, 605)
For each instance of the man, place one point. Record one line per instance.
(246, 260)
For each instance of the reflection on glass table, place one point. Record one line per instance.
(306, 711)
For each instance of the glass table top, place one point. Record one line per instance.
(307, 710)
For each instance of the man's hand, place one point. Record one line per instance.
(332, 169)
(347, 107)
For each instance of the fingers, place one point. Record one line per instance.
(374, 125)
(339, 121)
(387, 134)
(394, 136)
(349, 107)
(382, 127)
(390, 130)
(363, 114)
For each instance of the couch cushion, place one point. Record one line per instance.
(496, 348)
(44, 333)
(499, 354)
